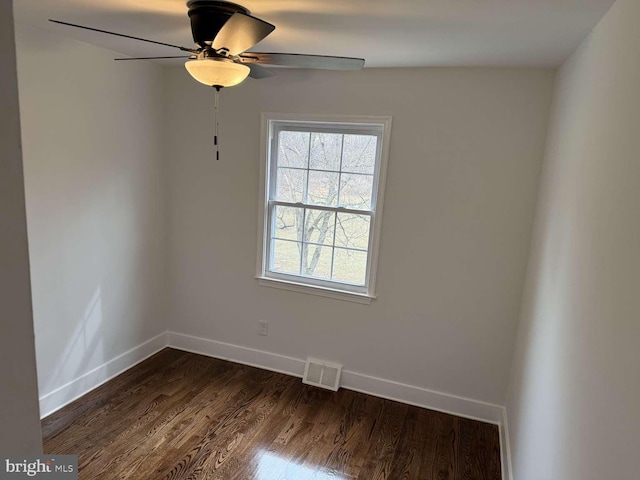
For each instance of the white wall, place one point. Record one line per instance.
(19, 419)
(575, 386)
(466, 150)
(93, 173)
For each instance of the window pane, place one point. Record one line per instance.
(293, 149)
(287, 221)
(286, 256)
(325, 151)
(349, 266)
(290, 185)
(319, 226)
(323, 188)
(356, 190)
(317, 261)
(321, 201)
(359, 153)
(352, 231)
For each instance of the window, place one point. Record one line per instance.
(323, 183)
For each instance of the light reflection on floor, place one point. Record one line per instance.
(273, 467)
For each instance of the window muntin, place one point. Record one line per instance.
(322, 189)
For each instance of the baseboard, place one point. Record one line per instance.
(82, 385)
(422, 397)
(505, 448)
(379, 387)
(235, 353)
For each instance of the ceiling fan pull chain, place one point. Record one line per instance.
(216, 114)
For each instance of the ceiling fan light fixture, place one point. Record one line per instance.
(220, 72)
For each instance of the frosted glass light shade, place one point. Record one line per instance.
(217, 71)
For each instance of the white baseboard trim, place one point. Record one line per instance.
(86, 382)
(505, 447)
(421, 397)
(235, 353)
(379, 387)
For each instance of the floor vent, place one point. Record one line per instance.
(322, 374)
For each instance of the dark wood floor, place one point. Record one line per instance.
(183, 416)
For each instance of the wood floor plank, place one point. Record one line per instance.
(181, 416)
(384, 438)
(445, 451)
(407, 460)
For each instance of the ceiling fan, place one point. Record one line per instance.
(223, 32)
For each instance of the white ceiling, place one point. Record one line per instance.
(387, 33)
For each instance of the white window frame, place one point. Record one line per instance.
(273, 122)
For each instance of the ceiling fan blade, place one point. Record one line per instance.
(304, 61)
(149, 58)
(241, 32)
(258, 72)
(184, 49)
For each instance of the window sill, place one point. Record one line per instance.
(313, 290)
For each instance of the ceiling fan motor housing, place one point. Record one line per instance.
(208, 16)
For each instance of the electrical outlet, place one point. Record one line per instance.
(263, 327)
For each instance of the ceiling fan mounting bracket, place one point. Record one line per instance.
(208, 16)
(211, 53)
